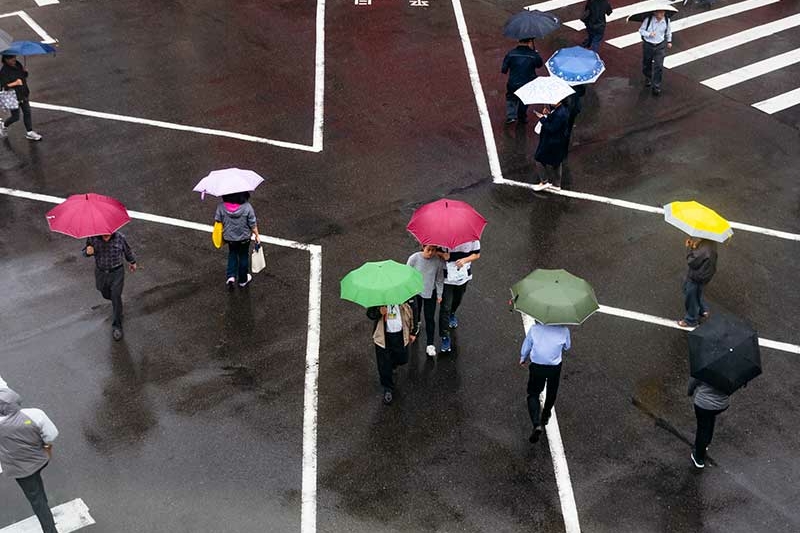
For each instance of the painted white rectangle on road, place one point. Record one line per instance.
(70, 516)
(753, 70)
(780, 102)
(550, 5)
(731, 41)
(695, 20)
(46, 2)
(623, 12)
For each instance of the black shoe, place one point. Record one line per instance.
(545, 418)
(647, 82)
(387, 397)
(537, 432)
(116, 334)
(699, 463)
(510, 120)
(656, 91)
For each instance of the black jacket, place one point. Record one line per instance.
(9, 74)
(702, 262)
(521, 64)
(594, 14)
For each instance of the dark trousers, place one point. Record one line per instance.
(451, 299)
(25, 106)
(593, 39)
(428, 307)
(705, 430)
(693, 301)
(389, 358)
(552, 174)
(515, 109)
(538, 377)
(238, 260)
(653, 61)
(110, 286)
(33, 487)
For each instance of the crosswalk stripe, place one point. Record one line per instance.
(623, 12)
(70, 516)
(753, 70)
(731, 41)
(552, 4)
(701, 18)
(779, 102)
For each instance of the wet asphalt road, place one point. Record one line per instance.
(194, 422)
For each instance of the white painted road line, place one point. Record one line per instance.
(779, 102)
(550, 5)
(731, 41)
(46, 2)
(565, 494)
(70, 516)
(35, 27)
(753, 70)
(649, 208)
(695, 20)
(622, 12)
(319, 78)
(477, 89)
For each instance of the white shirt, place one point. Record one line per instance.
(459, 276)
(394, 322)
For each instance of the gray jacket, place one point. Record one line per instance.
(707, 397)
(23, 432)
(238, 225)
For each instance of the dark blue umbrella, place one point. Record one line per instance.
(530, 25)
(28, 48)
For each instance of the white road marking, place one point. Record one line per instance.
(648, 208)
(46, 2)
(731, 41)
(568, 508)
(695, 20)
(552, 4)
(779, 102)
(480, 98)
(622, 12)
(753, 70)
(319, 78)
(46, 38)
(70, 516)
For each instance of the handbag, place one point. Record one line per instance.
(8, 99)
(257, 262)
(216, 235)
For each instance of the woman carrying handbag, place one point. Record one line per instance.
(14, 84)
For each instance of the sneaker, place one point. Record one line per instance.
(3, 133)
(445, 347)
(249, 279)
(647, 82)
(656, 91)
(453, 322)
(542, 185)
(698, 464)
(33, 136)
(431, 350)
(230, 282)
(552, 187)
(537, 432)
(387, 397)
(116, 334)
(510, 120)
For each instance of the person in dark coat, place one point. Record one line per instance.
(520, 64)
(701, 258)
(14, 77)
(575, 105)
(708, 403)
(594, 17)
(553, 146)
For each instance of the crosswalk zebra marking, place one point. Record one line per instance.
(779, 102)
(754, 70)
(552, 4)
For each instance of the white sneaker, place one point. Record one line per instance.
(553, 187)
(541, 186)
(33, 136)
(3, 133)
(249, 279)
(431, 350)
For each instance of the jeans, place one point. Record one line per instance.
(451, 299)
(428, 308)
(389, 358)
(26, 115)
(653, 62)
(33, 487)
(552, 174)
(110, 286)
(705, 430)
(538, 376)
(238, 260)
(515, 109)
(593, 39)
(693, 300)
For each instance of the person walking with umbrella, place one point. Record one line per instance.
(553, 146)
(656, 39)
(238, 219)
(430, 264)
(701, 259)
(708, 403)
(520, 64)
(14, 77)
(594, 17)
(110, 252)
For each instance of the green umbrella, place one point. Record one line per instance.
(381, 283)
(554, 297)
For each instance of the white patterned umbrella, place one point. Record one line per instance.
(228, 181)
(544, 90)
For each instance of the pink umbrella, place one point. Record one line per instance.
(446, 223)
(86, 215)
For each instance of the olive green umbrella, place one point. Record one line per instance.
(554, 297)
(381, 283)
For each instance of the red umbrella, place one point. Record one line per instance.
(86, 215)
(446, 223)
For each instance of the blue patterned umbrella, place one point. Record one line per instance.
(28, 48)
(576, 65)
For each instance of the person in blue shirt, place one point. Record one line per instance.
(520, 64)
(656, 39)
(541, 353)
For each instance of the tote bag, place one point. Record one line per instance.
(8, 99)
(257, 262)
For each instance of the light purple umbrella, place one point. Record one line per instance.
(228, 181)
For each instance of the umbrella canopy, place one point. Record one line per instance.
(530, 25)
(544, 90)
(697, 220)
(446, 223)
(28, 48)
(647, 9)
(381, 283)
(87, 215)
(228, 181)
(576, 65)
(5, 40)
(554, 297)
(724, 352)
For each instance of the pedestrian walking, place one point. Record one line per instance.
(238, 220)
(457, 275)
(431, 265)
(656, 39)
(520, 64)
(594, 18)
(26, 447)
(395, 327)
(701, 258)
(708, 403)
(14, 77)
(553, 146)
(110, 253)
(541, 353)
(574, 105)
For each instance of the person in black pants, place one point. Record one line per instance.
(708, 403)
(594, 17)
(110, 253)
(13, 76)
(395, 327)
(520, 64)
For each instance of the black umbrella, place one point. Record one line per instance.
(724, 353)
(530, 25)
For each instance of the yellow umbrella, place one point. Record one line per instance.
(697, 220)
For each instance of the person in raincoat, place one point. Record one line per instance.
(431, 265)
(395, 327)
(26, 446)
(701, 258)
(14, 77)
(708, 403)
(238, 220)
(553, 146)
(520, 64)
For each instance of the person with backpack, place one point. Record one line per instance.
(594, 18)
(701, 258)
(238, 223)
(656, 39)
(520, 64)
